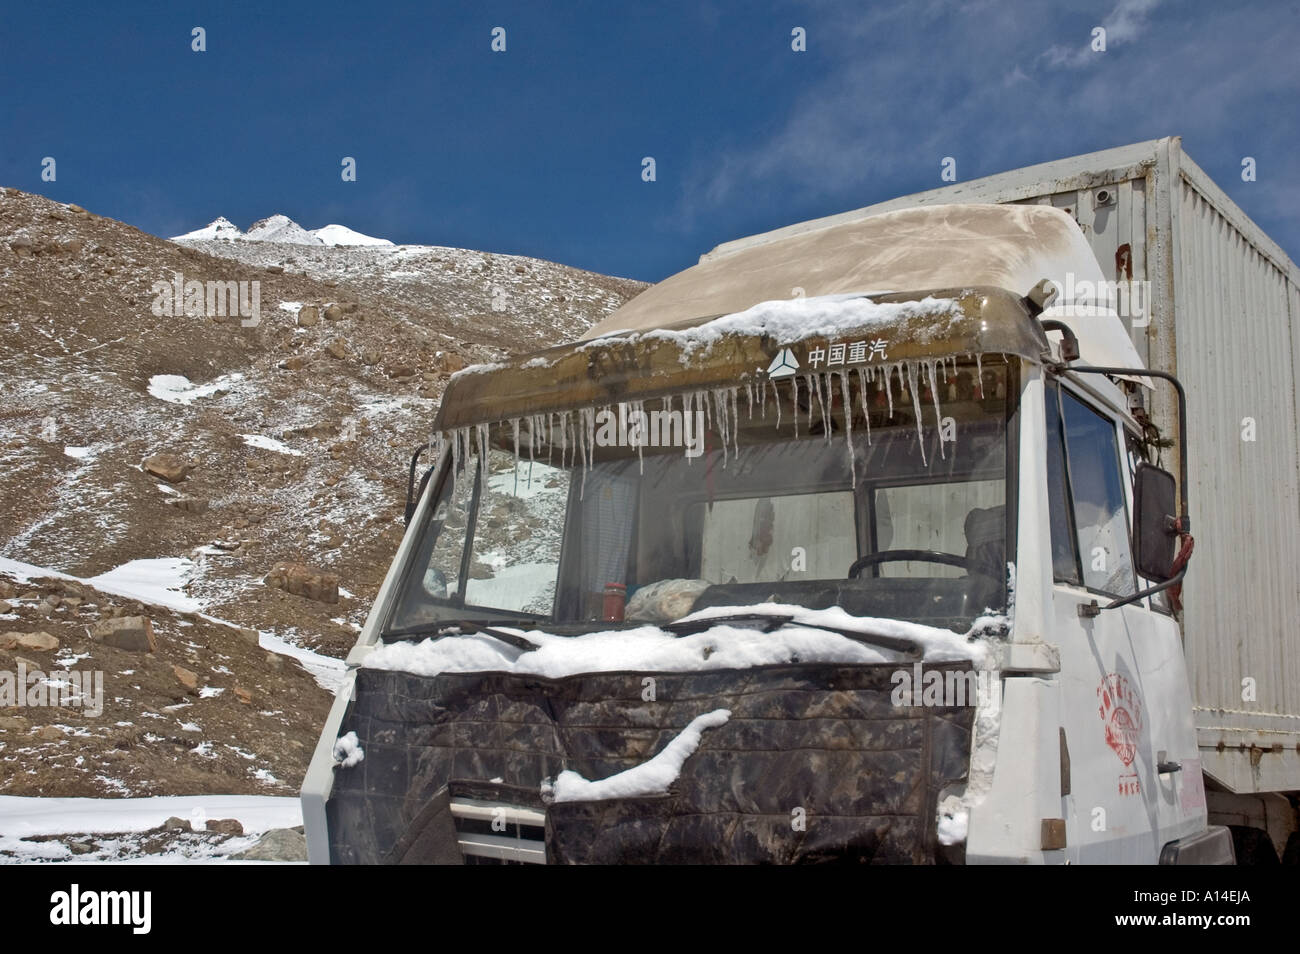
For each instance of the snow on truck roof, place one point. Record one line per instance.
(1013, 247)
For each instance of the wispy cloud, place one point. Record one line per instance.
(885, 112)
(1121, 26)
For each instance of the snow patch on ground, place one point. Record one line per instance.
(31, 816)
(157, 581)
(328, 672)
(160, 580)
(177, 389)
(269, 443)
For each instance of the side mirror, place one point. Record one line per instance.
(1155, 522)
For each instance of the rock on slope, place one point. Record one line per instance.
(189, 706)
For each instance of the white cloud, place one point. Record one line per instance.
(970, 82)
(1122, 25)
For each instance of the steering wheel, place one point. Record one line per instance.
(892, 556)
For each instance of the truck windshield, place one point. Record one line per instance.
(744, 500)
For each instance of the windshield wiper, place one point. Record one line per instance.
(469, 629)
(773, 622)
(688, 627)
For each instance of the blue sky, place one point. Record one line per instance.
(538, 150)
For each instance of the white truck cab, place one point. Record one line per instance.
(920, 434)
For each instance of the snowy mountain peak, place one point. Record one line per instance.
(219, 228)
(342, 235)
(280, 229)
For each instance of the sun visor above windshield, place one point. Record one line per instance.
(940, 246)
(768, 342)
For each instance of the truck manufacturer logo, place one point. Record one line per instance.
(1120, 708)
(784, 365)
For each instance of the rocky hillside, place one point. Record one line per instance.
(126, 434)
(183, 705)
(261, 458)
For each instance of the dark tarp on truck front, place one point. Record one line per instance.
(815, 764)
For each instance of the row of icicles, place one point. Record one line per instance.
(573, 433)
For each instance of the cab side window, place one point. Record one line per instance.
(1065, 561)
(1090, 522)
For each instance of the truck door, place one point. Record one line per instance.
(1126, 707)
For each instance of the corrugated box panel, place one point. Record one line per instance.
(1237, 352)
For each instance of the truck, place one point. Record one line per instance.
(961, 528)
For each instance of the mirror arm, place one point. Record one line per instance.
(1152, 591)
(412, 494)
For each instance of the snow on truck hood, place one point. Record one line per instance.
(651, 649)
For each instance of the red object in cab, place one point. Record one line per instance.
(615, 600)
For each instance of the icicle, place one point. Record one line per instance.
(455, 454)
(666, 405)
(580, 442)
(643, 433)
(938, 414)
(735, 421)
(571, 429)
(688, 411)
(827, 405)
(862, 399)
(589, 419)
(481, 432)
(514, 427)
(794, 402)
(564, 442)
(749, 392)
(848, 426)
(979, 374)
(889, 391)
(776, 399)
(720, 415)
(916, 407)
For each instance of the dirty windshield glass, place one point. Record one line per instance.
(643, 513)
